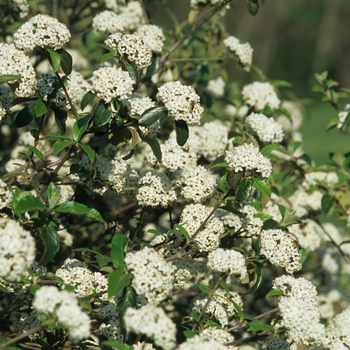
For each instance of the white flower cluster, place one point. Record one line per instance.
(112, 330)
(342, 116)
(219, 306)
(260, 95)
(155, 190)
(219, 335)
(114, 5)
(85, 282)
(48, 299)
(305, 202)
(267, 129)
(137, 104)
(295, 119)
(152, 36)
(223, 260)
(181, 101)
(198, 343)
(309, 234)
(5, 195)
(17, 250)
(111, 82)
(192, 216)
(197, 183)
(242, 51)
(216, 87)
(13, 61)
(152, 275)
(251, 224)
(5, 103)
(315, 177)
(20, 6)
(299, 310)
(153, 322)
(43, 31)
(247, 157)
(129, 17)
(338, 331)
(281, 249)
(131, 46)
(77, 87)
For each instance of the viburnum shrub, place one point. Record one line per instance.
(148, 202)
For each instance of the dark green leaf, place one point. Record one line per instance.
(282, 83)
(182, 132)
(106, 57)
(129, 300)
(102, 260)
(131, 68)
(52, 195)
(233, 179)
(60, 118)
(29, 203)
(120, 137)
(41, 107)
(24, 117)
(9, 77)
(153, 68)
(256, 280)
(218, 161)
(253, 6)
(60, 145)
(115, 344)
(87, 98)
(243, 190)
(55, 59)
(262, 186)
(269, 148)
(150, 116)
(66, 61)
(80, 127)
(154, 144)
(189, 334)
(79, 209)
(204, 289)
(257, 326)
(37, 153)
(102, 114)
(117, 281)
(89, 151)
(183, 231)
(51, 241)
(327, 202)
(119, 244)
(274, 293)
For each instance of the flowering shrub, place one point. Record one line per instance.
(149, 203)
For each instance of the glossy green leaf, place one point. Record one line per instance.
(60, 118)
(150, 116)
(189, 334)
(243, 190)
(80, 126)
(79, 209)
(24, 117)
(66, 61)
(129, 300)
(131, 68)
(119, 245)
(102, 260)
(120, 137)
(37, 153)
(55, 59)
(52, 195)
(262, 186)
(253, 7)
(182, 132)
(106, 57)
(256, 281)
(9, 77)
(102, 115)
(41, 107)
(29, 203)
(60, 145)
(155, 146)
(89, 151)
(326, 203)
(274, 293)
(51, 241)
(117, 281)
(87, 98)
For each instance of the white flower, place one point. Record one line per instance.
(152, 36)
(267, 129)
(304, 202)
(108, 22)
(111, 82)
(309, 234)
(43, 31)
(315, 177)
(247, 157)
(281, 249)
(260, 95)
(295, 119)
(216, 87)
(17, 250)
(153, 322)
(219, 335)
(20, 6)
(181, 101)
(242, 51)
(5, 195)
(342, 117)
(198, 343)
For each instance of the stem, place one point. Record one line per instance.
(22, 336)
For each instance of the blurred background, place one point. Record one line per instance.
(293, 40)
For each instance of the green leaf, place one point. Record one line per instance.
(89, 151)
(116, 344)
(117, 281)
(243, 190)
(129, 300)
(233, 179)
(106, 57)
(182, 132)
(274, 293)
(269, 148)
(29, 203)
(120, 137)
(79, 209)
(52, 195)
(101, 115)
(60, 118)
(326, 203)
(55, 59)
(41, 107)
(102, 260)
(51, 241)
(87, 98)
(37, 153)
(131, 68)
(9, 77)
(262, 186)
(257, 326)
(189, 334)
(183, 231)
(154, 144)
(66, 61)
(151, 115)
(80, 127)
(256, 280)
(253, 6)
(204, 289)
(282, 83)
(119, 244)
(24, 117)
(60, 145)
